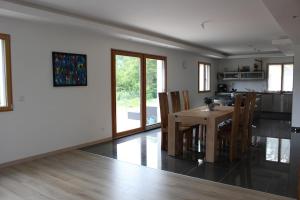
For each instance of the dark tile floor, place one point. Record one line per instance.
(266, 167)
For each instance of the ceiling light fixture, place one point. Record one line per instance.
(203, 24)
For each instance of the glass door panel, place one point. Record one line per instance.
(155, 81)
(128, 93)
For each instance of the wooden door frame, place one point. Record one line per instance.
(143, 58)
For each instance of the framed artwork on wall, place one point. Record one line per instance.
(69, 69)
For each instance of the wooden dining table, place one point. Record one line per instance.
(203, 116)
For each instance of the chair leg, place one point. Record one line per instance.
(164, 141)
(180, 143)
(189, 139)
(202, 137)
(249, 136)
(231, 150)
(197, 135)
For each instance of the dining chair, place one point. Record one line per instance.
(164, 112)
(175, 100)
(231, 134)
(200, 129)
(176, 106)
(186, 99)
(251, 116)
(244, 122)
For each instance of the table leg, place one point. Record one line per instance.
(211, 140)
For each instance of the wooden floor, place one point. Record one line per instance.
(80, 175)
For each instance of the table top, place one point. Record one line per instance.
(204, 112)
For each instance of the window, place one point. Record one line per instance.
(5, 74)
(203, 77)
(280, 77)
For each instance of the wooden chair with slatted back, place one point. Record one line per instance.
(175, 99)
(235, 132)
(200, 129)
(186, 99)
(176, 107)
(244, 122)
(232, 134)
(251, 116)
(164, 112)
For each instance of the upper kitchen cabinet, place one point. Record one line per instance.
(228, 76)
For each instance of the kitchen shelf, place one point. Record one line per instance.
(243, 76)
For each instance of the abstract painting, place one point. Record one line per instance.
(69, 69)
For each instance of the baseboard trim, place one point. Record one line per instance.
(51, 153)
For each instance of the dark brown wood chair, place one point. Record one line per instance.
(186, 100)
(176, 106)
(244, 122)
(200, 129)
(251, 116)
(231, 134)
(175, 100)
(164, 112)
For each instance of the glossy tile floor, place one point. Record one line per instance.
(266, 167)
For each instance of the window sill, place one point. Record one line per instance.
(206, 91)
(6, 109)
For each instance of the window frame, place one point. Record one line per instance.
(8, 75)
(204, 77)
(281, 78)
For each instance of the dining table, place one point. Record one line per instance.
(202, 116)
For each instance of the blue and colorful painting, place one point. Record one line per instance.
(69, 69)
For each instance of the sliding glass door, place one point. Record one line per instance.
(136, 81)
(155, 83)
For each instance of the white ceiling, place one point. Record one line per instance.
(232, 26)
(287, 14)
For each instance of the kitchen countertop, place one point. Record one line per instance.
(288, 93)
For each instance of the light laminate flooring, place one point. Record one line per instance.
(79, 175)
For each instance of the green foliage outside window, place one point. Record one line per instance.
(128, 80)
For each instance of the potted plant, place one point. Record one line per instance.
(209, 102)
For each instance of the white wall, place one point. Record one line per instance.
(47, 118)
(232, 65)
(296, 94)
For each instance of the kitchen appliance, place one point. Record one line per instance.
(222, 88)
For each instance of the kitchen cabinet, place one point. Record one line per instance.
(287, 103)
(276, 103)
(227, 76)
(267, 102)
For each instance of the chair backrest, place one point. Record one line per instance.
(252, 107)
(236, 114)
(251, 115)
(175, 99)
(246, 117)
(164, 108)
(186, 99)
(235, 126)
